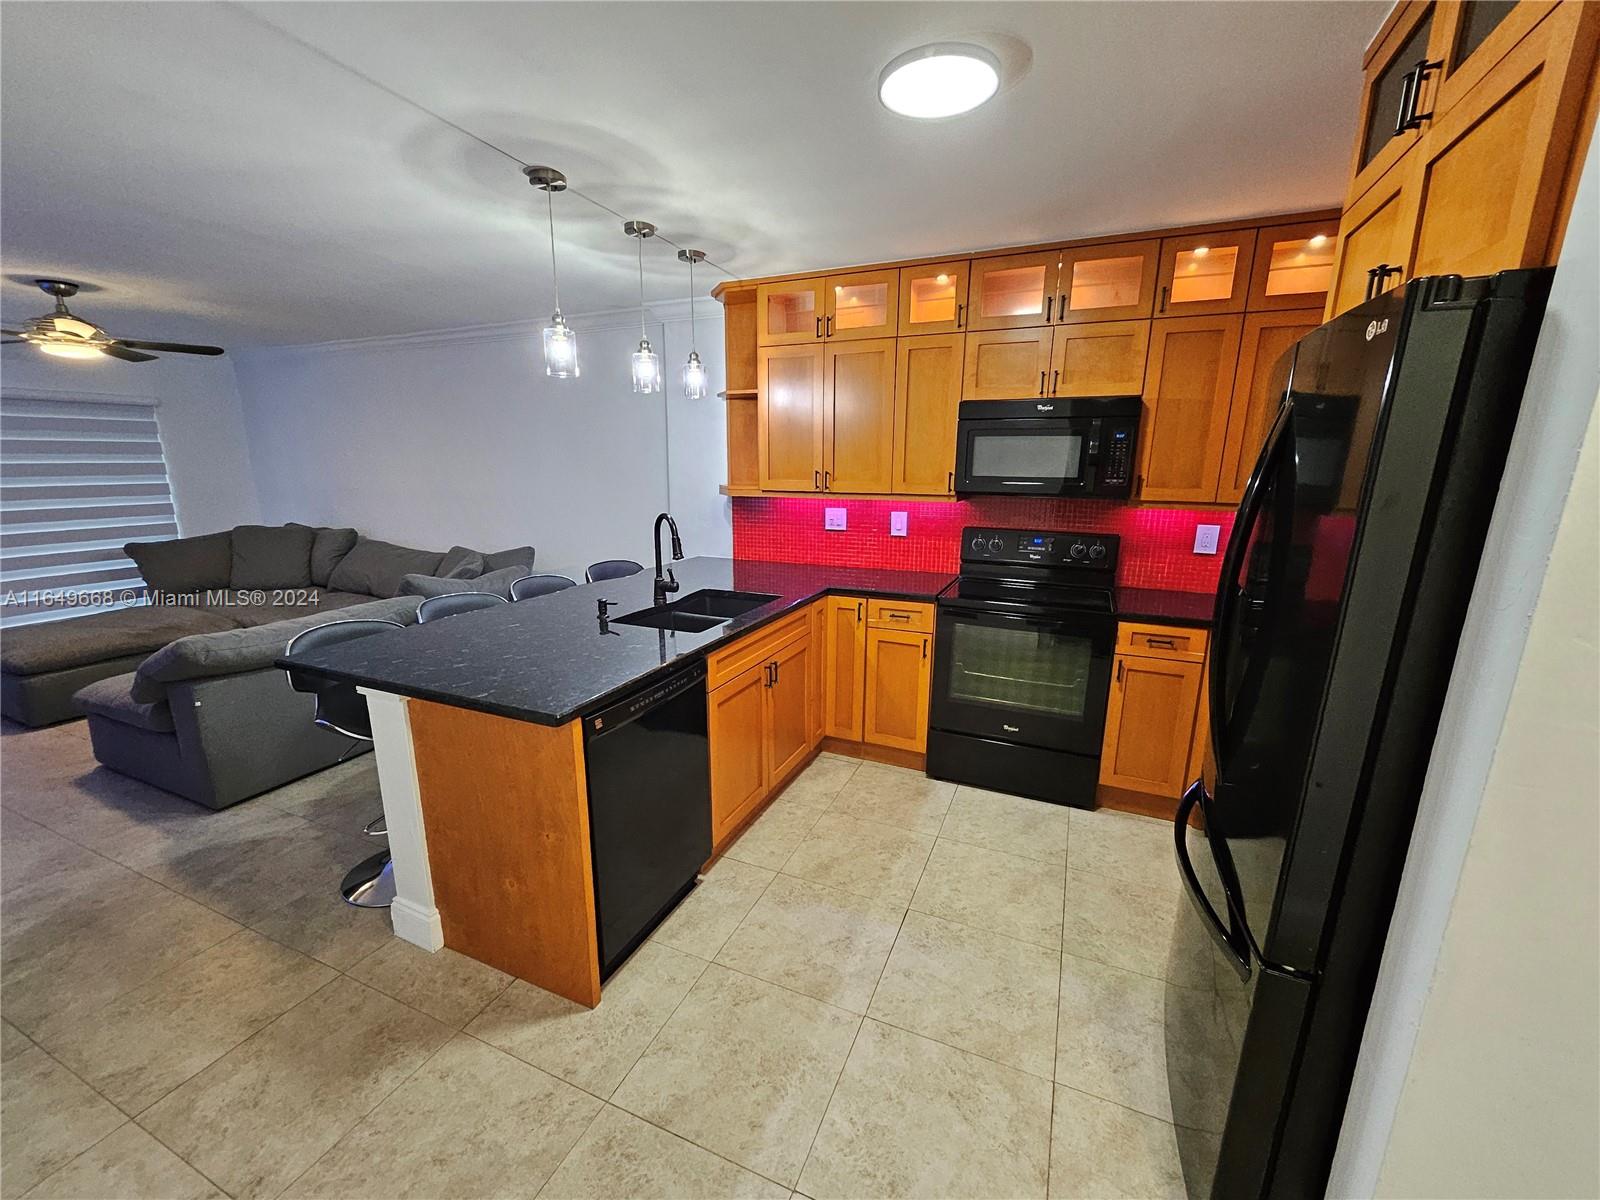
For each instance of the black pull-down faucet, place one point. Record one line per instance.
(668, 582)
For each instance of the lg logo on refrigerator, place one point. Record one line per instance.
(1374, 328)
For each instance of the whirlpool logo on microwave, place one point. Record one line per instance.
(1374, 328)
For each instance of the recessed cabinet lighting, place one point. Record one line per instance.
(941, 80)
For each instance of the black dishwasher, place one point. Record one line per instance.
(649, 771)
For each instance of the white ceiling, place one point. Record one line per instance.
(219, 180)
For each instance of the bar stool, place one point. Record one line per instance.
(530, 586)
(437, 607)
(612, 568)
(343, 710)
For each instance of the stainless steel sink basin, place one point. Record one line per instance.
(698, 611)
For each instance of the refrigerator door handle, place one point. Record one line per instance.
(1229, 938)
(1232, 560)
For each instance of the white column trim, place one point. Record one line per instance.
(413, 914)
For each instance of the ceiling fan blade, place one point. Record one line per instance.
(170, 347)
(16, 333)
(119, 350)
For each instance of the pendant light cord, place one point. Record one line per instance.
(643, 337)
(550, 209)
(693, 340)
(426, 111)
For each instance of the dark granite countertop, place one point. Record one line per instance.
(1165, 607)
(546, 660)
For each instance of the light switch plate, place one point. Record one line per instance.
(897, 524)
(833, 518)
(1205, 538)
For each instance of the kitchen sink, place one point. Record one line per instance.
(698, 611)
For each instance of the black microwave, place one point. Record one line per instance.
(1083, 446)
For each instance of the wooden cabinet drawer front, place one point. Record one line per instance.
(723, 665)
(896, 614)
(1162, 641)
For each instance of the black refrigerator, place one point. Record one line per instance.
(1338, 617)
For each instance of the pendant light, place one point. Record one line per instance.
(560, 343)
(646, 363)
(694, 372)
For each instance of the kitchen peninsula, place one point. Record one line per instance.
(478, 731)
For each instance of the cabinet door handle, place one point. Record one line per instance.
(827, 480)
(827, 327)
(775, 671)
(816, 481)
(1119, 670)
(768, 669)
(859, 607)
(819, 326)
(1042, 374)
(899, 616)
(951, 486)
(1049, 307)
(1055, 381)
(1166, 642)
(1410, 92)
(960, 312)
(1061, 308)
(1163, 307)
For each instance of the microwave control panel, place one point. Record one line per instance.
(1116, 455)
(1040, 548)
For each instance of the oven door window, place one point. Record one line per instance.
(1011, 457)
(1034, 682)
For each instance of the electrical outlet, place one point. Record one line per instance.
(897, 524)
(1205, 538)
(833, 518)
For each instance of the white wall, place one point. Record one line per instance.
(1479, 1064)
(197, 411)
(460, 438)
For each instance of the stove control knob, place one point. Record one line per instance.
(1097, 551)
(1077, 550)
(978, 544)
(996, 545)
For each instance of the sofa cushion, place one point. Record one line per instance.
(112, 698)
(377, 568)
(328, 546)
(498, 582)
(190, 564)
(233, 651)
(271, 556)
(517, 556)
(460, 563)
(77, 641)
(291, 602)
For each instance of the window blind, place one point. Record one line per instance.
(78, 479)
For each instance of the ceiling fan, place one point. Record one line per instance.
(67, 336)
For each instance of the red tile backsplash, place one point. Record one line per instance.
(1157, 543)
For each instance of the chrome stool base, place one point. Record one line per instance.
(370, 883)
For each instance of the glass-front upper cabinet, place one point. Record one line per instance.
(1205, 273)
(933, 299)
(787, 313)
(1017, 291)
(1116, 282)
(1293, 265)
(864, 304)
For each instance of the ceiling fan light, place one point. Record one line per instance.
(646, 368)
(694, 378)
(69, 350)
(560, 349)
(944, 79)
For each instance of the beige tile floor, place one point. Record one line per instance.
(890, 986)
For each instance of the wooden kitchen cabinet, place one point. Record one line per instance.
(899, 665)
(1015, 291)
(933, 298)
(790, 313)
(864, 304)
(1187, 387)
(1391, 72)
(845, 663)
(1293, 266)
(858, 413)
(788, 716)
(789, 417)
(1006, 364)
(1204, 274)
(1106, 358)
(927, 392)
(740, 763)
(1374, 242)
(1152, 709)
(1114, 282)
(1266, 337)
(817, 622)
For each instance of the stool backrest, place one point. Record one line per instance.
(530, 586)
(435, 607)
(339, 706)
(613, 568)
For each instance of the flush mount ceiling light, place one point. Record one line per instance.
(944, 79)
(560, 343)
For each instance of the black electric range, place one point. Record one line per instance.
(1022, 662)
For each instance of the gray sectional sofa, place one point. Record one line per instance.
(181, 692)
